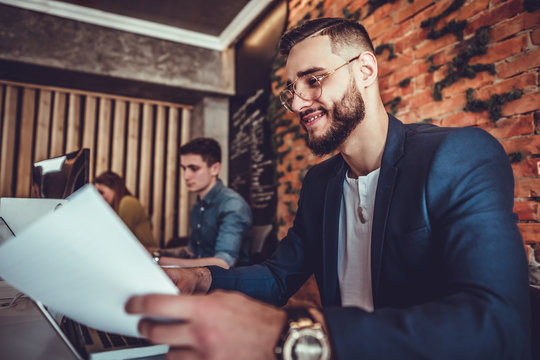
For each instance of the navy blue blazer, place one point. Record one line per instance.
(449, 272)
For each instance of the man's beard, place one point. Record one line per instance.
(346, 115)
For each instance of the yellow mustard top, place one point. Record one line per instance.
(134, 216)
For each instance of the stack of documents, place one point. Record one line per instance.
(82, 261)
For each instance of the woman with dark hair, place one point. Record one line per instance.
(113, 189)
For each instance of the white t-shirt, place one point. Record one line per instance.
(354, 247)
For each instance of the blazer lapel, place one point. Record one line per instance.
(395, 142)
(332, 201)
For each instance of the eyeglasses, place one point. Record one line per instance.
(307, 86)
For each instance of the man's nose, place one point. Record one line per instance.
(298, 103)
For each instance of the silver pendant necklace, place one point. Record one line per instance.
(360, 208)
(361, 214)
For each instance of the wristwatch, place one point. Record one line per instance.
(302, 338)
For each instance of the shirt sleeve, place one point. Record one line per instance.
(235, 221)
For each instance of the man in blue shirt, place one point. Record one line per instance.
(220, 219)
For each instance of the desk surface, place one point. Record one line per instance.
(26, 334)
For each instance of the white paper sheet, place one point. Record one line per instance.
(83, 261)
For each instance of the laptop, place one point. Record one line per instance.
(87, 343)
(21, 212)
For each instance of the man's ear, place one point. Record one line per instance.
(368, 67)
(215, 169)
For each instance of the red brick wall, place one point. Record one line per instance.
(513, 53)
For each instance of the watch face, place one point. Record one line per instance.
(306, 344)
(307, 347)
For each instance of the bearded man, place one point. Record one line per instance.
(409, 231)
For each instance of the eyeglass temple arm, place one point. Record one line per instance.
(336, 69)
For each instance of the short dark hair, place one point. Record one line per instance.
(207, 148)
(342, 33)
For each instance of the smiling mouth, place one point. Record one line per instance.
(312, 116)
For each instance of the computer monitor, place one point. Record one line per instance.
(59, 177)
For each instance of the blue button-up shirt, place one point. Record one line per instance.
(221, 226)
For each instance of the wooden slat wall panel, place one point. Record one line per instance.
(103, 136)
(41, 142)
(159, 168)
(7, 161)
(183, 214)
(132, 153)
(172, 174)
(119, 137)
(146, 155)
(138, 139)
(73, 123)
(2, 92)
(58, 124)
(24, 160)
(89, 134)
(8, 141)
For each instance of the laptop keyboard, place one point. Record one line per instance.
(80, 336)
(90, 344)
(85, 333)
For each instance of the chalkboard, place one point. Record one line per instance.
(251, 159)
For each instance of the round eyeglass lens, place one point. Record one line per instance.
(286, 97)
(308, 88)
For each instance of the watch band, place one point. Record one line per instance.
(293, 314)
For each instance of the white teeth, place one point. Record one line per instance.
(313, 118)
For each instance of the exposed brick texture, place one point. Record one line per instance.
(503, 50)
(510, 127)
(528, 145)
(490, 16)
(526, 168)
(525, 62)
(525, 81)
(527, 210)
(530, 232)
(527, 188)
(513, 50)
(528, 103)
(535, 37)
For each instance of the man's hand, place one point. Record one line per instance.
(221, 325)
(190, 280)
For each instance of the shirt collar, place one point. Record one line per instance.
(212, 194)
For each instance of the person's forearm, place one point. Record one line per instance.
(182, 252)
(204, 279)
(186, 263)
(190, 280)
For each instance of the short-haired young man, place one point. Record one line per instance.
(220, 219)
(409, 231)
